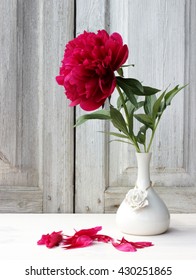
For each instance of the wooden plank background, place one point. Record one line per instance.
(160, 38)
(48, 166)
(91, 150)
(36, 135)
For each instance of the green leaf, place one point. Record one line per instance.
(150, 90)
(148, 104)
(130, 107)
(145, 119)
(170, 95)
(120, 72)
(157, 106)
(143, 128)
(116, 134)
(98, 115)
(132, 98)
(118, 120)
(117, 140)
(119, 101)
(133, 86)
(131, 123)
(141, 136)
(140, 104)
(130, 86)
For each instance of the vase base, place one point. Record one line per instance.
(144, 230)
(153, 219)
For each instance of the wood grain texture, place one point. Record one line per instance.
(151, 42)
(57, 130)
(38, 171)
(8, 82)
(91, 152)
(36, 139)
(20, 199)
(178, 199)
(161, 43)
(19, 142)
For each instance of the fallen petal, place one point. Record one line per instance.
(89, 231)
(79, 242)
(43, 239)
(51, 240)
(142, 244)
(103, 238)
(137, 245)
(125, 247)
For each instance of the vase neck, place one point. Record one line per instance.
(143, 172)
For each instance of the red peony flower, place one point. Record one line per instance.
(51, 240)
(87, 71)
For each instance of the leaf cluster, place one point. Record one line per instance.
(134, 97)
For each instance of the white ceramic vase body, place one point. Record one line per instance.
(152, 216)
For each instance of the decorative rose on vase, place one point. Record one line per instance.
(137, 198)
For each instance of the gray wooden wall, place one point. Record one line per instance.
(46, 166)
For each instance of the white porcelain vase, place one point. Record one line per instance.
(143, 212)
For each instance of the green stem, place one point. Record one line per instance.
(152, 136)
(127, 117)
(123, 103)
(145, 147)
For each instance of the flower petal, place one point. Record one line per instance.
(89, 231)
(51, 240)
(125, 247)
(142, 244)
(86, 237)
(43, 239)
(88, 65)
(60, 80)
(79, 242)
(103, 238)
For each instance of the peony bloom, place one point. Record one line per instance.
(51, 240)
(87, 71)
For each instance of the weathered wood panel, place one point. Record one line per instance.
(177, 199)
(161, 42)
(36, 137)
(91, 161)
(20, 199)
(57, 131)
(19, 141)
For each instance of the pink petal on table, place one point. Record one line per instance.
(51, 240)
(79, 242)
(142, 244)
(125, 247)
(102, 238)
(89, 231)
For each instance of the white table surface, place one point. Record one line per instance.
(19, 234)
